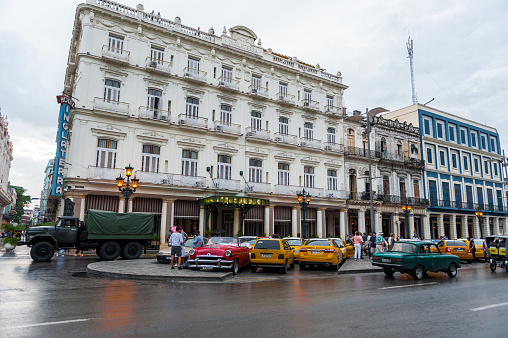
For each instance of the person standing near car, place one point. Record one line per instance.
(372, 244)
(197, 242)
(472, 248)
(357, 240)
(380, 242)
(176, 242)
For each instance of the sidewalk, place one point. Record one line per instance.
(361, 266)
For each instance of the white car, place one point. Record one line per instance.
(164, 255)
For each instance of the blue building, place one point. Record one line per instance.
(463, 173)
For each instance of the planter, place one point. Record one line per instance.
(9, 246)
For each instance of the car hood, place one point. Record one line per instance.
(38, 230)
(214, 250)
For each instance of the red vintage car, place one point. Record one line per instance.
(220, 253)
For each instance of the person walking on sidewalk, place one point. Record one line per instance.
(358, 245)
(372, 244)
(176, 241)
(380, 242)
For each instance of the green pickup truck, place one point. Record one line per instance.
(111, 234)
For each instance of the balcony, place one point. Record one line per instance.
(227, 83)
(259, 187)
(286, 138)
(193, 121)
(223, 184)
(309, 104)
(100, 173)
(340, 194)
(110, 106)
(171, 179)
(257, 133)
(226, 127)
(189, 181)
(334, 147)
(281, 189)
(414, 162)
(314, 192)
(193, 74)
(258, 92)
(385, 155)
(154, 114)
(115, 54)
(285, 98)
(360, 196)
(353, 151)
(157, 65)
(310, 143)
(336, 111)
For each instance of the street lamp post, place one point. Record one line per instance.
(127, 191)
(479, 214)
(304, 200)
(407, 209)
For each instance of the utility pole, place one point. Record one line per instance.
(409, 46)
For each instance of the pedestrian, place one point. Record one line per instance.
(358, 245)
(472, 248)
(380, 242)
(176, 241)
(391, 240)
(60, 251)
(197, 242)
(372, 244)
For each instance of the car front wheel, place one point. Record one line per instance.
(493, 267)
(235, 267)
(452, 270)
(42, 252)
(253, 268)
(388, 272)
(418, 273)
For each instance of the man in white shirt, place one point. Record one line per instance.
(176, 242)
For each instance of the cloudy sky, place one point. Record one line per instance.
(460, 53)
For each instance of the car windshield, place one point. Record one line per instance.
(318, 242)
(267, 244)
(188, 243)
(294, 242)
(248, 240)
(223, 241)
(404, 247)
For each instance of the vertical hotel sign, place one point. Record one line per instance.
(66, 104)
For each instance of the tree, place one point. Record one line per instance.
(21, 201)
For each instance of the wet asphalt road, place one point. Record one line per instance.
(56, 299)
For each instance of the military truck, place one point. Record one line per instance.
(111, 234)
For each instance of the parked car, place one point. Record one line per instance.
(164, 255)
(320, 251)
(272, 253)
(295, 243)
(345, 248)
(456, 247)
(416, 258)
(220, 253)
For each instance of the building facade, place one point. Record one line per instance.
(48, 204)
(5, 163)
(463, 173)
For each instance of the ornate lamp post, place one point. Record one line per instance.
(479, 214)
(407, 209)
(127, 191)
(304, 200)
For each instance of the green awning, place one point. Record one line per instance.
(233, 201)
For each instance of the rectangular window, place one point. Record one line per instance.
(154, 101)
(463, 139)
(308, 131)
(308, 176)
(451, 130)
(283, 90)
(112, 91)
(493, 145)
(466, 166)
(255, 170)
(255, 82)
(225, 113)
(429, 155)
(224, 167)
(106, 153)
(416, 188)
(486, 167)
(115, 44)
(227, 74)
(283, 125)
(255, 120)
(157, 55)
(283, 174)
(332, 179)
(495, 168)
(426, 124)
(329, 101)
(442, 158)
(484, 145)
(330, 135)
(307, 97)
(439, 130)
(192, 107)
(454, 161)
(150, 159)
(193, 65)
(189, 163)
(473, 139)
(476, 168)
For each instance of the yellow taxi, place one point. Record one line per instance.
(478, 245)
(272, 253)
(295, 243)
(456, 247)
(320, 251)
(347, 249)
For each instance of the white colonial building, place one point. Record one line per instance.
(5, 163)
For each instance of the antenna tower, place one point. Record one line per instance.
(409, 46)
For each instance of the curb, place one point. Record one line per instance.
(351, 272)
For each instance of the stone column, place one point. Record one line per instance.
(342, 223)
(295, 227)
(320, 224)
(202, 220)
(269, 219)
(476, 227)
(427, 234)
(361, 220)
(411, 223)
(167, 219)
(464, 228)
(495, 222)
(440, 225)
(453, 226)
(395, 218)
(129, 208)
(121, 204)
(379, 221)
(236, 221)
(266, 228)
(486, 226)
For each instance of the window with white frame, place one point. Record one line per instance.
(329, 101)
(112, 91)
(483, 139)
(106, 153)
(255, 82)
(427, 125)
(465, 162)
(255, 120)
(463, 135)
(192, 107)
(440, 129)
(330, 135)
(476, 165)
(154, 100)
(454, 161)
(430, 155)
(189, 163)
(255, 170)
(308, 176)
(157, 55)
(473, 138)
(150, 160)
(442, 158)
(115, 44)
(307, 97)
(193, 65)
(308, 131)
(486, 165)
(227, 74)
(225, 113)
(493, 143)
(452, 132)
(224, 167)
(283, 90)
(283, 174)
(283, 125)
(331, 179)
(494, 167)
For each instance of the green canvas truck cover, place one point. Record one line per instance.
(113, 225)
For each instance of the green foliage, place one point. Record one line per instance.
(208, 233)
(43, 224)
(8, 227)
(156, 237)
(22, 199)
(13, 241)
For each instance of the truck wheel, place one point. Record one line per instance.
(42, 252)
(132, 250)
(110, 251)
